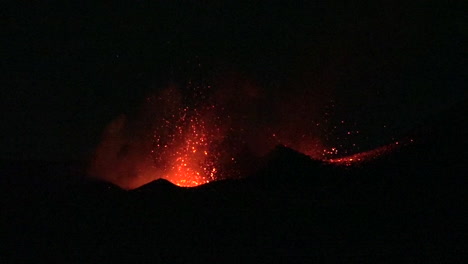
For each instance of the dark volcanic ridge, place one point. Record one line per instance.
(403, 207)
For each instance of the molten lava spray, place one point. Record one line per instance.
(168, 140)
(184, 144)
(182, 135)
(196, 134)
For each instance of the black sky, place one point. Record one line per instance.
(69, 69)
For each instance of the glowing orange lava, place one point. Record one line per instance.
(184, 136)
(362, 156)
(369, 155)
(184, 143)
(172, 137)
(191, 162)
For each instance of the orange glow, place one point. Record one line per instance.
(190, 164)
(367, 155)
(189, 138)
(170, 138)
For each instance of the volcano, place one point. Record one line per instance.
(399, 208)
(220, 132)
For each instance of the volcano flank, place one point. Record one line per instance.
(231, 132)
(398, 208)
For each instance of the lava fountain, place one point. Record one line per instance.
(176, 136)
(196, 135)
(184, 145)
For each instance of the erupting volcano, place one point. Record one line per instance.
(185, 146)
(174, 137)
(189, 137)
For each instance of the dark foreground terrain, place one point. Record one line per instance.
(406, 207)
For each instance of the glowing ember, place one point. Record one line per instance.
(368, 155)
(363, 156)
(345, 151)
(187, 155)
(184, 140)
(184, 136)
(175, 136)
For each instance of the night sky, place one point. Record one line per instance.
(69, 69)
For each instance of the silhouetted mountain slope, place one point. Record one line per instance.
(404, 207)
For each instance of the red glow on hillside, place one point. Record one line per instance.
(362, 157)
(194, 136)
(369, 155)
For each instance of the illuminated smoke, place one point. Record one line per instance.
(184, 135)
(195, 134)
